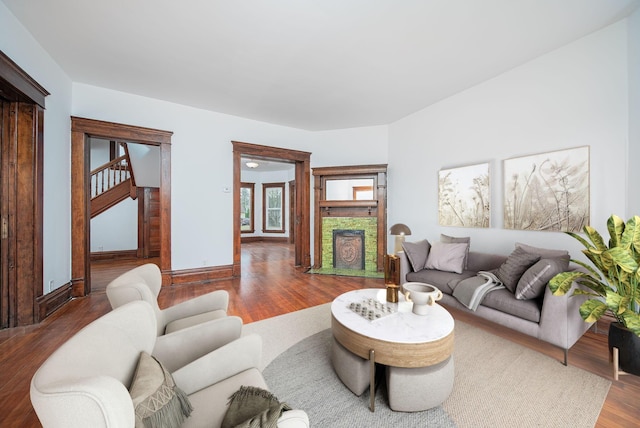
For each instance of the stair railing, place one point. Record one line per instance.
(111, 174)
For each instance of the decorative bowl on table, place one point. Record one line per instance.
(422, 295)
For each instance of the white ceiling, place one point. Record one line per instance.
(310, 64)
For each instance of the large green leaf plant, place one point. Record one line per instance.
(613, 280)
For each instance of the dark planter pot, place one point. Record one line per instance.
(628, 345)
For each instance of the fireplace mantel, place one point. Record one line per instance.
(351, 209)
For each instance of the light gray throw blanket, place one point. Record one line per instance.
(471, 291)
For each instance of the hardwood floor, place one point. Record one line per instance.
(269, 286)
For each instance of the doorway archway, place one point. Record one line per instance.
(81, 130)
(301, 232)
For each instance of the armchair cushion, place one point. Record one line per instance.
(157, 401)
(192, 320)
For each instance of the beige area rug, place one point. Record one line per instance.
(498, 383)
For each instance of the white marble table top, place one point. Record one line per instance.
(403, 326)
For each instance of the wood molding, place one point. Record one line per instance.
(114, 255)
(374, 208)
(302, 221)
(201, 275)
(53, 301)
(17, 85)
(81, 130)
(246, 239)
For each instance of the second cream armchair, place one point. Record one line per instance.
(144, 283)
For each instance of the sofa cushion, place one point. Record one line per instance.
(447, 257)
(544, 253)
(417, 253)
(535, 279)
(157, 401)
(504, 301)
(458, 240)
(516, 264)
(445, 281)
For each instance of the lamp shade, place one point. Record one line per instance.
(400, 229)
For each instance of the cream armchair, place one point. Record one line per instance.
(144, 283)
(85, 382)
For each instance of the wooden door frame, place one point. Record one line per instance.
(81, 130)
(22, 163)
(302, 232)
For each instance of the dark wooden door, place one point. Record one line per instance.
(5, 295)
(149, 242)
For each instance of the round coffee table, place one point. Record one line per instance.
(398, 340)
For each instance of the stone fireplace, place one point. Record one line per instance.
(348, 249)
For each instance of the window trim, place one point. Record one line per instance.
(251, 187)
(265, 188)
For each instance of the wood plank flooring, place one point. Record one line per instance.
(270, 285)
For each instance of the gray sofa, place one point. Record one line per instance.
(553, 319)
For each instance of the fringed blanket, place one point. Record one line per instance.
(471, 291)
(252, 407)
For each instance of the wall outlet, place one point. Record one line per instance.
(51, 285)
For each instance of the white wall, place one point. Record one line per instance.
(20, 46)
(202, 162)
(145, 161)
(633, 158)
(116, 229)
(574, 96)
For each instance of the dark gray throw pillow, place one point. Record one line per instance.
(544, 253)
(516, 264)
(535, 279)
(417, 253)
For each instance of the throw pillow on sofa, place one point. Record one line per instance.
(544, 253)
(417, 253)
(454, 240)
(447, 257)
(516, 264)
(535, 279)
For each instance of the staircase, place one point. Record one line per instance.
(112, 183)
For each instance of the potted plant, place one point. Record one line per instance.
(613, 283)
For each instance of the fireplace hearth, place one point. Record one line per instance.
(348, 249)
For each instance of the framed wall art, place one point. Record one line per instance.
(548, 191)
(464, 197)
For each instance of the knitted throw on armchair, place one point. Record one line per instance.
(252, 407)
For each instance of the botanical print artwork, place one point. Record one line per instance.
(549, 191)
(463, 196)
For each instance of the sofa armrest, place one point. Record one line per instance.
(293, 419)
(405, 266)
(181, 347)
(229, 360)
(560, 320)
(214, 301)
(99, 401)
